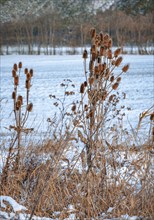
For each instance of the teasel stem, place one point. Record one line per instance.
(85, 70)
(15, 112)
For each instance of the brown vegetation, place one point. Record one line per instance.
(98, 174)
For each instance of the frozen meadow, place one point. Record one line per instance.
(49, 73)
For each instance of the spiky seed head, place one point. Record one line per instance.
(18, 104)
(31, 72)
(91, 114)
(85, 54)
(111, 98)
(16, 80)
(91, 80)
(115, 86)
(111, 78)
(96, 70)
(91, 65)
(86, 107)
(93, 56)
(82, 88)
(20, 65)
(15, 67)
(118, 79)
(13, 95)
(117, 52)
(27, 84)
(93, 48)
(103, 66)
(109, 43)
(107, 73)
(125, 68)
(101, 36)
(13, 73)
(118, 61)
(29, 107)
(109, 54)
(73, 107)
(20, 98)
(28, 76)
(106, 37)
(26, 70)
(152, 117)
(85, 83)
(93, 32)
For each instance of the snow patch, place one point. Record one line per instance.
(16, 206)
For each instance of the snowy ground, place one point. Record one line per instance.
(19, 212)
(50, 71)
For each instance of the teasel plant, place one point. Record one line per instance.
(99, 93)
(21, 112)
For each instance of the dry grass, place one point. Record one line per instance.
(99, 174)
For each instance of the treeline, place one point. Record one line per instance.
(54, 30)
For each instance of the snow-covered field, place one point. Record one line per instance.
(50, 71)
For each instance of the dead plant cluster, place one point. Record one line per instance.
(78, 165)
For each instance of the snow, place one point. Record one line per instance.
(16, 206)
(49, 72)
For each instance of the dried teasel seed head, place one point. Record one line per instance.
(18, 104)
(125, 68)
(82, 88)
(118, 61)
(109, 54)
(96, 70)
(103, 67)
(93, 48)
(118, 79)
(106, 37)
(117, 52)
(31, 72)
(27, 84)
(86, 107)
(85, 83)
(13, 73)
(152, 117)
(93, 32)
(91, 65)
(20, 65)
(91, 113)
(91, 80)
(115, 86)
(85, 54)
(109, 43)
(93, 56)
(107, 73)
(74, 108)
(15, 67)
(101, 36)
(13, 95)
(111, 78)
(111, 98)
(29, 107)
(20, 98)
(26, 70)
(16, 80)
(28, 76)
